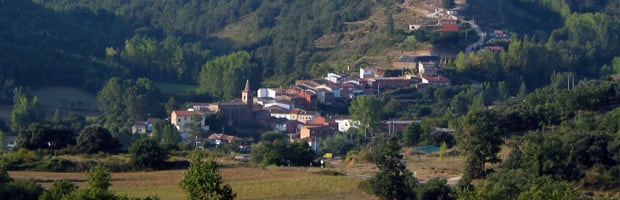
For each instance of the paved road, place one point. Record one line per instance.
(480, 34)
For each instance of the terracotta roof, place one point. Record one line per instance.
(436, 79)
(296, 111)
(450, 27)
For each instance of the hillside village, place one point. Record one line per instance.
(326, 99)
(294, 110)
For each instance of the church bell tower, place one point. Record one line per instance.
(246, 94)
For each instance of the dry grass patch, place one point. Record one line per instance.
(247, 182)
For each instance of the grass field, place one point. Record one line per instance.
(247, 182)
(65, 99)
(250, 182)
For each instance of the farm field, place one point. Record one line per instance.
(251, 182)
(247, 182)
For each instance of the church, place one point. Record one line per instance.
(237, 112)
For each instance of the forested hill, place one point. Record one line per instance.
(39, 46)
(83, 43)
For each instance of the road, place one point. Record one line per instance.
(480, 34)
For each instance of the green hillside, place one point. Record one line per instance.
(84, 43)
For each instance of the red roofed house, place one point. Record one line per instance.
(314, 133)
(450, 27)
(436, 81)
(181, 118)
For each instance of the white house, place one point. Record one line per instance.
(428, 68)
(269, 92)
(345, 124)
(181, 118)
(367, 73)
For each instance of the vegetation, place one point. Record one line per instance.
(274, 149)
(551, 97)
(203, 181)
(96, 139)
(148, 154)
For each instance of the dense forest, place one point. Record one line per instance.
(84, 43)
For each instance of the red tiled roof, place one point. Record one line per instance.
(295, 111)
(450, 27)
(436, 79)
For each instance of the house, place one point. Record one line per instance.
(302, 115)
(269, 92)
(315, 133)
(11, 142)
(428, 68)
(444, 21)
(143, 126)
(199, 106)
(389, 82)
(237, 112)
(450, 28)
(436, 81)
(336, 78)
(182, 120)
(499, 33)
(366, 73)
(405, 62)
(223, 138)
(344, 124)
(411, 62)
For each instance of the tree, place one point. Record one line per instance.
(59, 190)
(367, 111)
(2, 141)
(95, 139)
(203, 181)
(38, 136)
(411, 135)
(435, 189)
(224, 76)
(271, 136)
(146, 153)
(481, 140)
(98, 179)
(338, 144)
(216, 121)
(124, 101)
(394, 180)
(171, 105)
(449, 4)
(195, 126)
(25, 111)
(17, 189)
(166, 134)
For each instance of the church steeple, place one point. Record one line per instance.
(246, 94)
(247, 86)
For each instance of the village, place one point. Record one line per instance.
(296, 110)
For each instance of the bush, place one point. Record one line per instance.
(147, 154)
(332, 173)
(55, 165)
